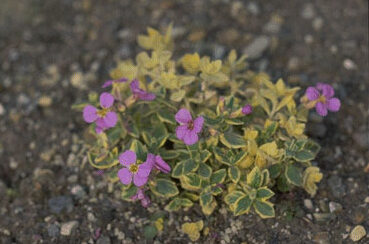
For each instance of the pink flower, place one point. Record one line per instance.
(104, 117)
(159, 163)
(322, 95)
(188, 129)
(132, 170)
(110, 82)
(139, 93)
(247, 109)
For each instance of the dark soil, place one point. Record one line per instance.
(44, 44)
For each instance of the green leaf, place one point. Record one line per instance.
(270, 130)
(232, 140)
(150, 232)
(212, 121)
(282, 183)
(173, 205)
(164, 188)
(178, 95)
(233, 197)
(218, 176)
(139, 149)
(205, 199)
(304, 156)
(293, 175)
(205, 155)
(204, 170)
(242, 206)
(187, 203)
(234, 121)
(254, 178)
(189, 166)
(169, 154)
(127, 193)
(239, 157)
(166, 117)
(221, 157)
(275, 170)
(191, 182)
(234, 174)
(264, 193)
(264, 209)
(177, 171)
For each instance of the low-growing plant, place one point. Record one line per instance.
(198, 130)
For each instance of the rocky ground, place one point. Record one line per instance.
(53, 52)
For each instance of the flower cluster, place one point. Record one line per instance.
(203, 131)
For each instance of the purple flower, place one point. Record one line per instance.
(110, 82)
(247, 109)
(322, 96)
(140, 195)
(104, 117)
(159, 163)
(139, 93)
(132, 170)
(188, 129)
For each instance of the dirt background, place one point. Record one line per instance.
(53, 52)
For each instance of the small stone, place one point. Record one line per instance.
(357, 233)
(78, 191)
(60, 203)
(323, 217)
(322, 238)
(53, 230)
(308, 204)
(2, 109)
(103, 240)
(349, 64)
(196, 35)
(45, 101)
(366, 199)
(257, 47)
(293, 63)
(308, 11)
(317, 23)
(91, 217)
(77, 80)
(317, 130)
(336, 186)
(335, 207)
(23, 99)
(253, 8)
(68, 227)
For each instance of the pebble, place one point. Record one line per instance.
(318, 23)
(366, 200)
(68, 227)
(257, 47)
(336, 186)
(357, 233)
(53, 230)
(308, 204)
(349, 64)
(78, 191)
(60, 203)
(91, 217)
(45, 101)
(308, 11)
(322, 238)
(103, 240)
(2, 109)
(317, 130)
(335, 207)
(253, 8)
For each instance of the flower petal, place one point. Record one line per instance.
(99, 129)
(110, 119)
(312, 93)
(150, 159)
(127, 158)
(183, 116)
(181, 131)
(333, 104)
(144, 169)
(327, 90)
(247, 109)
(321, 109)
(100, 123)
(89, 114)
(146, 96)
(139, 181)
(107, 83)
(106, 100)
(125, 176)
(161, 165)
(135, 85)
(197, 124)
(190, 138)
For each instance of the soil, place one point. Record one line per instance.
(53, 53)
